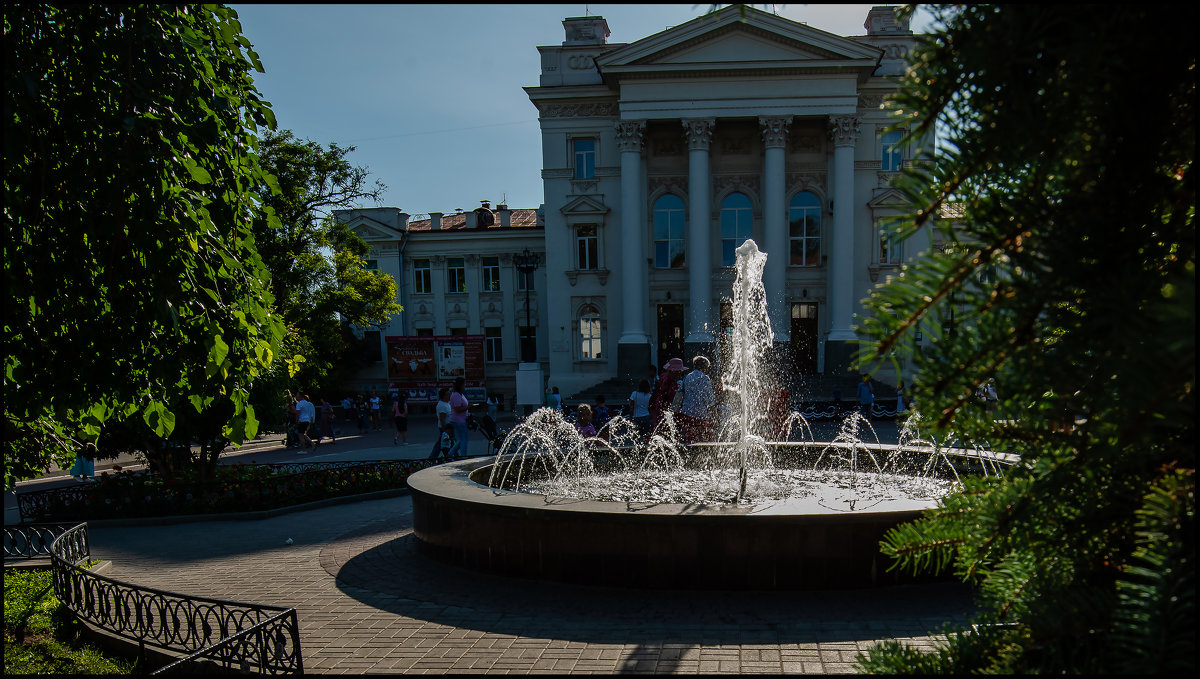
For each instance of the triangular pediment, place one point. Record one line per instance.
(370, 229)
(728, 37)
(888, 198)
(584, 206)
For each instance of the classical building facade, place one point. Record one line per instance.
(663, 155)
(457, 274)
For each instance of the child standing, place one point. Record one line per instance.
(583, 421)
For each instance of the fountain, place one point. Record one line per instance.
(749, 510)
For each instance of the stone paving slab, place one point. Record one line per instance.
(370, 602)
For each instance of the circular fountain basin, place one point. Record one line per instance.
(459, 519)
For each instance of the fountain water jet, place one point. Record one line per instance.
(622, 511)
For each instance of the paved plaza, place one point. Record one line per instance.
(369, 601)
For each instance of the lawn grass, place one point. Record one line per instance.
(41, 636)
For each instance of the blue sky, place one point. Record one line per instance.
(431, 94)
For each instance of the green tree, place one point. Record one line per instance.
(1068, 143)
(134, 294)
(317, 264)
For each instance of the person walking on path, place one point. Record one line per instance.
(900, 404)
(493, 406)
(400, 418)
(376, 411)
(327, 417)
(305, 415)
(698, 409)
(639, 407)
(664, 395)
(363, 409)
(443, 419)
(459, 405)
(866, 396)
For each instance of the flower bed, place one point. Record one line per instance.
(233, 488)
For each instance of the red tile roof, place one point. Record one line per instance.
(520, 218)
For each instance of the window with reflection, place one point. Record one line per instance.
(670, 224)
(589, 332)
(890, 153)
(737, 219)
(804, 230)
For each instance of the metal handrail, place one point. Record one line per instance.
(31, 541)
(234, 634)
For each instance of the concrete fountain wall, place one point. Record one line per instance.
(460, 520)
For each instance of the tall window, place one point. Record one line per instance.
(456, 274)
(491, 345)
(889, 246)
(371, 265)
(491, 273)
(890, 152)
(585, 158)
(804, 230)
(524, 281)
(586, 247)
(422, 278)
(589, 332)
(670, 223)
(736, 221)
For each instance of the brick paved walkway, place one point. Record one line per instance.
(369, 602)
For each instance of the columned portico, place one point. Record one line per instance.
(633, 349)
(699, 258)
(843, 130)
(775, 131)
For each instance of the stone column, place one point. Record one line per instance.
(843, 130)
(775, 224)
(633, 349)
(699, 232)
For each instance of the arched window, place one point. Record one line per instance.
(589, 333)
(804, 230)
(670, 223)
(737, 217)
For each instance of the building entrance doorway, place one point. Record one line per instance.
(670, 333)
(804, 338)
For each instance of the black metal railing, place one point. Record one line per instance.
(218, 635)
(32, 541)
(263, 486)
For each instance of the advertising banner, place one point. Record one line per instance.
(422, 365)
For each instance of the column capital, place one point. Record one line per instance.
(699, 132)
(775, 130)
(629, 135)
(843, 130)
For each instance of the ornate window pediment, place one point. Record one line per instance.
(585, 206)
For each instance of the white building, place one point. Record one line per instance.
(456, 275)
(660, 156)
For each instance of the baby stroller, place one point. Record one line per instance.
(493, 435)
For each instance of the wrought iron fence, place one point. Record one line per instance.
(218, 635)
(264, 486)
(30, 541)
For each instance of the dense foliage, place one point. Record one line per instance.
(1068, 141)
(317, 265)
(134, 294)
(228, 489)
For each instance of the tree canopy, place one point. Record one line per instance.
(317, 264)
(1067, 143)
(133, 289)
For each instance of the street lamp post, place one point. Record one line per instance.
(527, 263)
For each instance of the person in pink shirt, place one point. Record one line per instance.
(459, 405)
